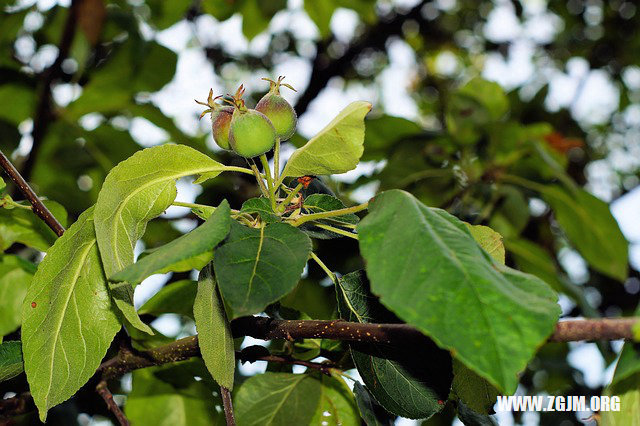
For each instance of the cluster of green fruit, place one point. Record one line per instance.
(251, 132)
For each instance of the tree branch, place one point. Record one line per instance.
(44, 110)
(267, 328)
(260, 353)
(594, 329)
(38, 207)
(393, 334)
(105, 393)
(325, 68)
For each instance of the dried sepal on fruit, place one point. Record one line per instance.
(278, 110)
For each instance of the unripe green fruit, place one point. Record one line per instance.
(280, 113)
(251, 133)
(220, 125)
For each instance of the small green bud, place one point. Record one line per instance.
(278, 110)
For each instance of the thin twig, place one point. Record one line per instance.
(106, 394)
(38, 207)
(228, 406)
(321, 366)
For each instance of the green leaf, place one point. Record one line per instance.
(203, 212)
(2, 185)
(122, 296)
(316, 301)
(139, 189)
(626, 385)
(475, 392)
(399, 380)
(428, 270)
(166, 13)
(261, 206)
(22, 100)
(489, 94)
(489, 240)
(166, 396)
(133, 66)
(22, 226)
(15, 277)
(10, 360)
(174, 298)
(202, 239)
(320, 13)
(629, 362)
(370, 411)
(470, 417)
(386, 131)
(196, 262)
(591, 227)
(472, 106)
(135, 191)
(337, 405)
(511, 214)
(317, 203)
(277, 399)
(214, 332)
(256, 267)
(222, 9)
(257, 14)
(533, 259)
(68, 320)
(335, 149)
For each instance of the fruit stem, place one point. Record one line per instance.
(283, 205)
(238, 169)
(267, 171)
(7, 201)
(276, 165)
(324, 267)
(202, 207)
(337, 230)
(332, 213)
(279, 181)
(256, 173)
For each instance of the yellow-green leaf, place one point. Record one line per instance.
(68, 320)
(135, 191)
(214, 332)
(336, 149)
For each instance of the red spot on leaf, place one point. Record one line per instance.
(34, 304)
(440, 402)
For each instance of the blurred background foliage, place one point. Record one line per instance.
(523, 115)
